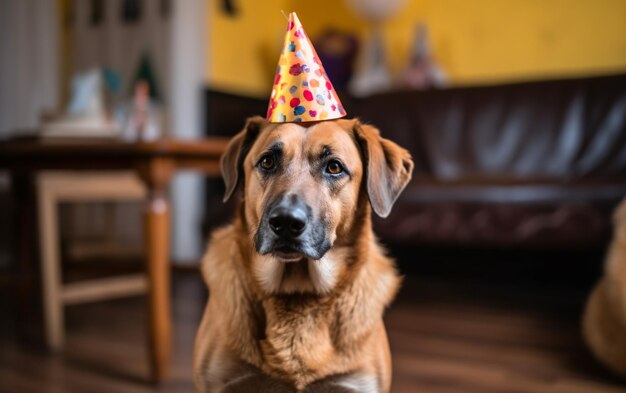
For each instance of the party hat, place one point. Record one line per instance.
(302, 91)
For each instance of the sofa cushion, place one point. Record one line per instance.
(572, 129)
(525, 215)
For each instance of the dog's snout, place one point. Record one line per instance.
(289, 229)
(288, 218)
(288, 222)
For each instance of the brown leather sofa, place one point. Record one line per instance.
(538, 164)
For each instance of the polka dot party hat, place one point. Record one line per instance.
(302, 91)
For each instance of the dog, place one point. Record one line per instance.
(298, 283)
(604, 319)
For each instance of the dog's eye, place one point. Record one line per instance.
(267, 162)
(334, 167)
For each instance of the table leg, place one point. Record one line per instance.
(158, 267)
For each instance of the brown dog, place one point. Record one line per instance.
(298, 282)
(604, 320)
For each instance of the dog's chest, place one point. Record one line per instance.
(298, 343)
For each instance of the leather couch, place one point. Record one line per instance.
(537, 164)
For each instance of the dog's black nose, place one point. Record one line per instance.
(288, 219)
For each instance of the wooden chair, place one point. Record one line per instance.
(55, 187)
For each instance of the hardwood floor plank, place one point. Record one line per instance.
(445, 337)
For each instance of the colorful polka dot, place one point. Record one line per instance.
(294, 102)
(293, 89)
(298, 110)
(307, 95)
(295, 69)
(292, 46)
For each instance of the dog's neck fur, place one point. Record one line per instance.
(292, 332)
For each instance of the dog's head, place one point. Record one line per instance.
(303, 187)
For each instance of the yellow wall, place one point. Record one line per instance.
(243, 50)
(476, 41)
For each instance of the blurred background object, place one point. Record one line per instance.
(86, 114)
(515, 113)
(422, 71)
(604, 318)
(337, 51)
(372, 75)
(55, 188)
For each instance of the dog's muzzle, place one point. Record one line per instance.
(289, 231)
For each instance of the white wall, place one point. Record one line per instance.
(187, 59)
(29, 64)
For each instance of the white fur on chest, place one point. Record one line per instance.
(319, 276)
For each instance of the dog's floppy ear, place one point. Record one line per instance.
(231, 163)
(387, 167)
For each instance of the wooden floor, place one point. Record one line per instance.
(460, 332)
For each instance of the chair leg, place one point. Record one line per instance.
(51, 270)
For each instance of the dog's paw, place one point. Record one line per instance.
(329, 388)
(347, 383)
(256, 382)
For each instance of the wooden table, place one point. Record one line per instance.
(155, 163)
